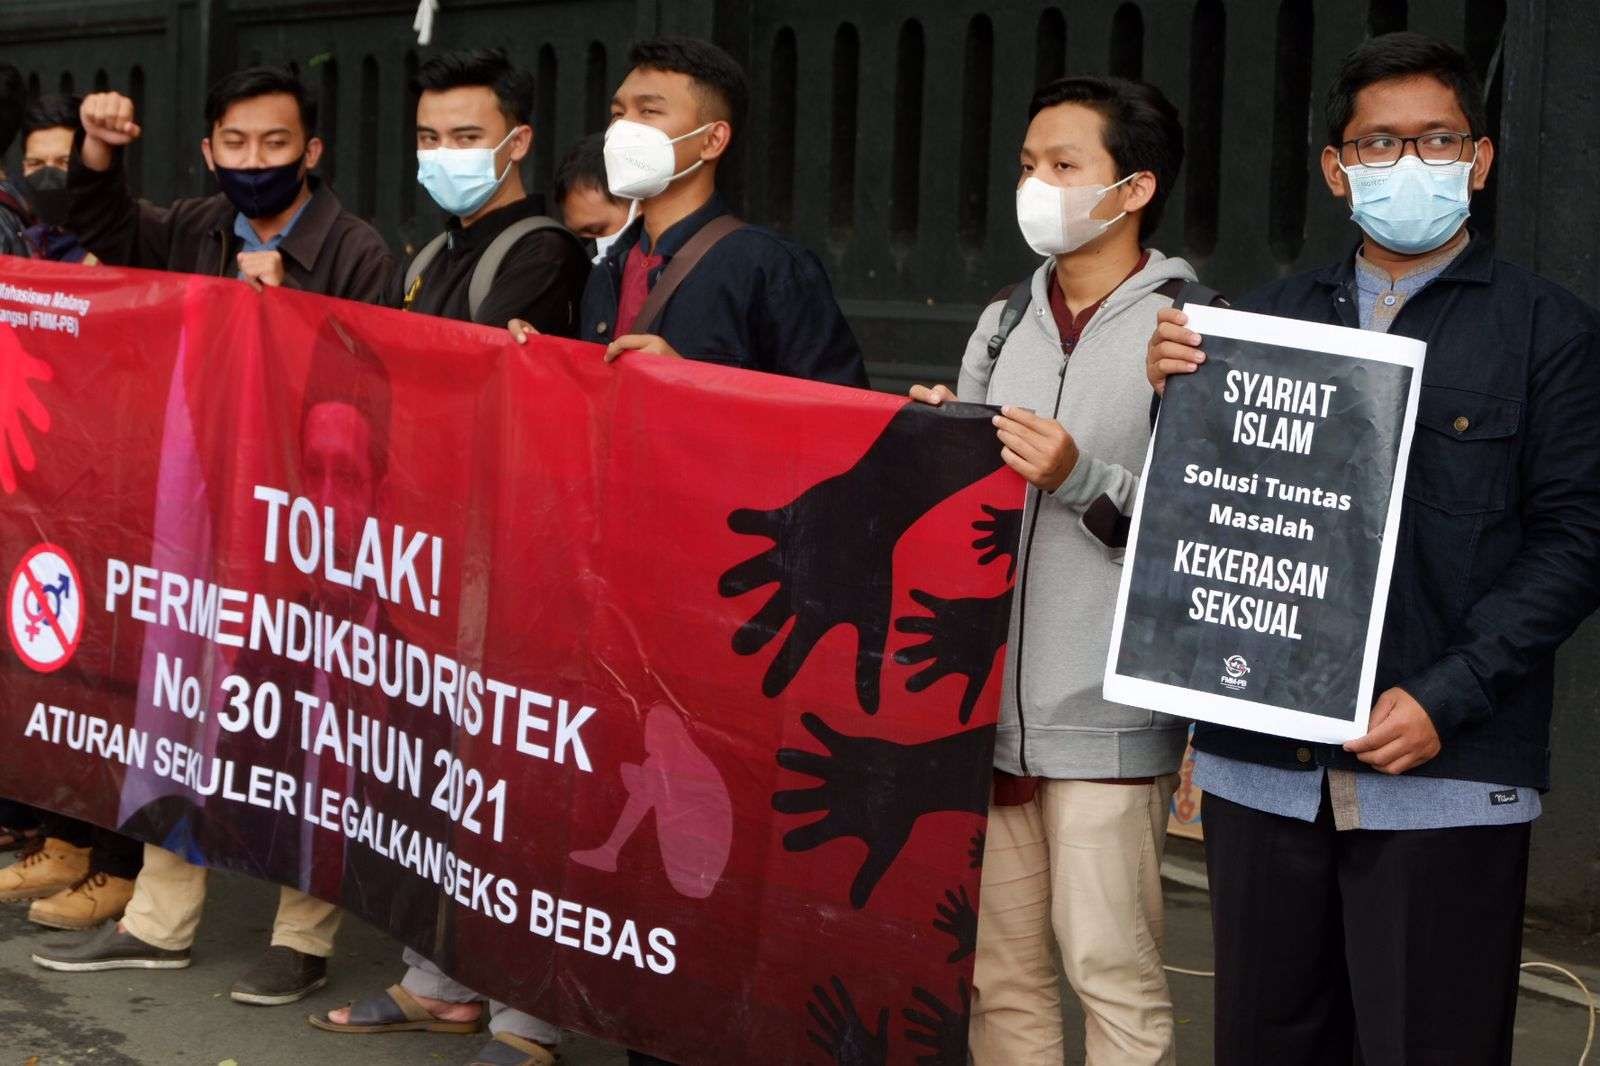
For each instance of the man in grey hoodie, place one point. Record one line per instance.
(1077, 823)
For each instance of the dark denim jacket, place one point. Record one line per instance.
(757, 300)
(1498, 557)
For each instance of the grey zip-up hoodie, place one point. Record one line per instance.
(1054, 722)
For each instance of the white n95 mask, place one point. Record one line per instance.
(602, 245)
(1054, 219)
(639, 159)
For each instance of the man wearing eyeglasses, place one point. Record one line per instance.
(1367, 901)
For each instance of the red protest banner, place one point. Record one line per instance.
(656, 699)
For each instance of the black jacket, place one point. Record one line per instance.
(756, 301)
(540, 280)
(13, 220)
(1498, 557)
(330, 251)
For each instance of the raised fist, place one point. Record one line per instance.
(109, 118)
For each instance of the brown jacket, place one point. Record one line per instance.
(329, 251)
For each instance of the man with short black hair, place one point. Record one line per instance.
(500, 257)
(274, 222)
(14, 213)
(588, 206)
(1077, 819)
(77, 875)
(19, 824)
(750, 298)
(48, 128)
(48, 131)
(1367, 901)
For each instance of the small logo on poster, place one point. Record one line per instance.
(1236, 668)
(45, 613)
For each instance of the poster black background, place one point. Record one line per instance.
(1354, 451)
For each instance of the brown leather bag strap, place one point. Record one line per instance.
(687, 258)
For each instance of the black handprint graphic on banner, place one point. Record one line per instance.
(975, 849)
(832, 553)
(875, 790)
(963, 637)
(841, 1033)
(944, 1032)
(1002, 535)
(957, 918)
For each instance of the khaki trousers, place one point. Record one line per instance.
(1077, 868)
(170, 892)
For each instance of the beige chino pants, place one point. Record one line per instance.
(1077, 868)
(170, 892)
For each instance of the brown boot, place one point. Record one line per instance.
(96, 898)
(44, 868)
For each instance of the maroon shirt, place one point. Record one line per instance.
(635, 288)
(1071, 326)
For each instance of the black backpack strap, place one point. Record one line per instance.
(1017, 301)
(1182, 292)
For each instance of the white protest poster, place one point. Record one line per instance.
(1258, 564)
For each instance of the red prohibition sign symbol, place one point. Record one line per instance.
(44, 608)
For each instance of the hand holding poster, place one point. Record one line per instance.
(1254, 587)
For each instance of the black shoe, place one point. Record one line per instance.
(108, 949)
(282, 975)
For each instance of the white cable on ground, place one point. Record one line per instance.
(1588, 1041)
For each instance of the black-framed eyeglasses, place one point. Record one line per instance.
(1438, 148)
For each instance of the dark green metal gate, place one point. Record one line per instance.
(883, 134)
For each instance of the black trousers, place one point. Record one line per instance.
(1365, 946)
(14, 815)
(111, 853)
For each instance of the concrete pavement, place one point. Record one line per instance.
(156, 1018)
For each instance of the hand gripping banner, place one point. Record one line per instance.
(656, 699)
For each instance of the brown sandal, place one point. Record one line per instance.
(394, 1010)
(507, 1049)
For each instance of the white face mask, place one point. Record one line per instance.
(1054, 219)
(461, 180)
(639, 159)
(602, 245)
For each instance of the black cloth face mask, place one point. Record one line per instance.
(47, 190)
(262, 192)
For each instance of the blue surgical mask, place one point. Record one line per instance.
(1412, 207)
(461, 180)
